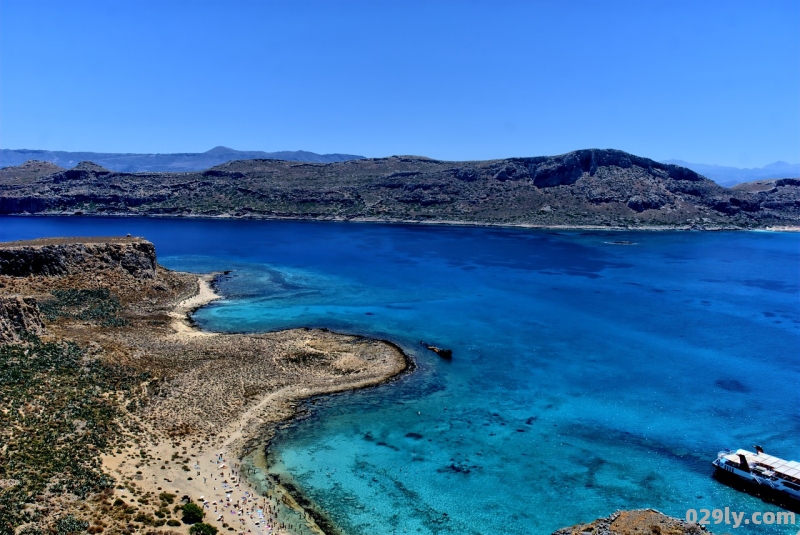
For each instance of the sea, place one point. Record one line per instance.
(592, 371)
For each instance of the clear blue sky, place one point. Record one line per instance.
(702, 81)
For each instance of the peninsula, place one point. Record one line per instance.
(115, 406)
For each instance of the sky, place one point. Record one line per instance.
(701, 81)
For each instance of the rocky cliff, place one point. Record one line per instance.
(18, 315)
(64, 256)
(605, 188)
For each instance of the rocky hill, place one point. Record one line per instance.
(600, 188)
(28, 172)
(192, 161)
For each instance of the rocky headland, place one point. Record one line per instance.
(586, 188)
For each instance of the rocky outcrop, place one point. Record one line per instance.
(18, 315)
(636, 522)
(82, 171)
(593, 187)
(63, 256)
(446, 354)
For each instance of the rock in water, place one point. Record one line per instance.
(446, 354)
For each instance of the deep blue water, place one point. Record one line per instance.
(587, 376)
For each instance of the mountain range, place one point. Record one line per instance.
(730, 176)
(185, 162)
(137, 163)
(587, 188)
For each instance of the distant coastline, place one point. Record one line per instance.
(226, 217)
(583, 189)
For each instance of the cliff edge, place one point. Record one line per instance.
(63, 256)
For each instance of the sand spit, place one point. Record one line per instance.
(181, 316)
(208, 400)
(227, 406)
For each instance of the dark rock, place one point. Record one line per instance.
(19, 315)
(638, 203)
(446, 354)
(82, 171)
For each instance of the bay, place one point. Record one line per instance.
(592, 371)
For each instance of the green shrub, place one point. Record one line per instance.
(173, 523)
(69, 524)
(202, 529)
(192, 513)
(144, 519)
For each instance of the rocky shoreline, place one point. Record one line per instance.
(455, 223)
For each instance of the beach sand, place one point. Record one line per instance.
(187, 450)
(181, 315)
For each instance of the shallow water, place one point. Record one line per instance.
(587, 376)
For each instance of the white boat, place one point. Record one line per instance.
(764, 471)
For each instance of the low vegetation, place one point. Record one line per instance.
(59, 410)
(203, 529)
(97, 305)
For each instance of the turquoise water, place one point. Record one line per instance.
(587, 376)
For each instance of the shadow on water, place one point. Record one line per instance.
(763, 493)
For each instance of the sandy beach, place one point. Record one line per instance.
(181, 315)
(205, 464)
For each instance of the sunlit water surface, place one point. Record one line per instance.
(588, 375)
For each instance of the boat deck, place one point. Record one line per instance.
(789, 470)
